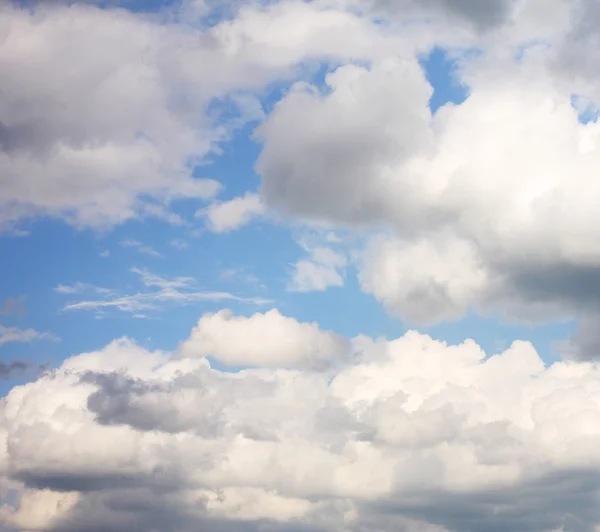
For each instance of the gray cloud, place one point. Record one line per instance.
(145, 406)
(578, 55)
(120, 401)
(142, 509)
(567, 498)
(584, 343)
(483, 15)
(8, 370)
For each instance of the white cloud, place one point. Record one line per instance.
(144, 249)
(329, 157)
(424, 281)
(169, 291)
(156, 300)
(83, 150)
(495, 194)
(412, 435)
(98, 153)
(79, 287)
(38, 509)
(240, 275)
(226, 216)
(265, 340)
(14, 334)
(160, 212)
(152, 279)
(179, 244)
(323, 269)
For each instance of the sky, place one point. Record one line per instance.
(287, 265)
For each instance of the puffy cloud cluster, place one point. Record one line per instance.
(104, 113)
(410, 434)
(486, 206)
(96, 135)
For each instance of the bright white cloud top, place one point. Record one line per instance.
(232, 131)
(263, 340)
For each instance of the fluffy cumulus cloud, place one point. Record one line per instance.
(264, 340)
(323, 268)
(328, 156)
(449, 277)
(96, 134)
(410, 434)
(226, 216)
(488, 205)
(83, 135)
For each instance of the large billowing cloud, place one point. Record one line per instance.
(98, 134)
(103, 112)
(489, 205)
(411, 434)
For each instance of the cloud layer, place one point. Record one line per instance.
(408, 434)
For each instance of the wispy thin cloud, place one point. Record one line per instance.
(161, 212)
(152, 279)
(14, 334)
(170, 291)
(179, 244)
(152, 300)
(142, 248)
(79, 288)
(13, 305)
(240, 275)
